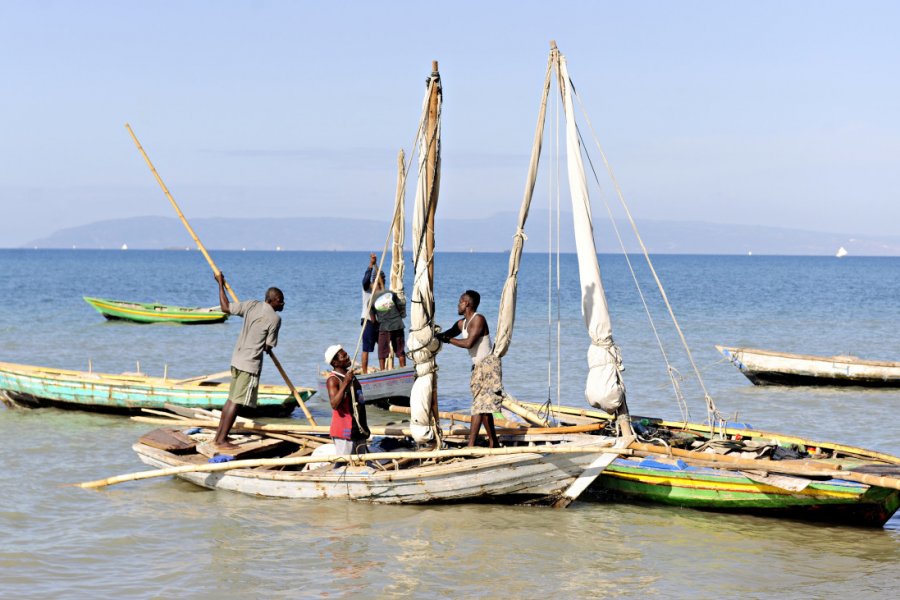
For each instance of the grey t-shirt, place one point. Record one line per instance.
(261, 324)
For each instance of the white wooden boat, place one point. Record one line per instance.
(765, 367)
(525, 476)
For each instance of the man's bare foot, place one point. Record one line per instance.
(225, 446)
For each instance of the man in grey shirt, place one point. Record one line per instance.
(259, 334)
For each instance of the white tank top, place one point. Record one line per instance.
(482, 348)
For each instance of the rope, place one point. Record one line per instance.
(713, 414)
(389, 239)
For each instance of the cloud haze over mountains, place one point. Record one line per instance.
(489, 234)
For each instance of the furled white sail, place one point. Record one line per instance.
(399, 227)
(422, 345)
(604, 389)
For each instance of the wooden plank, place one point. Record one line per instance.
(170, 440)
(590, 474)
(246, 447)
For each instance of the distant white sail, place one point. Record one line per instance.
(841, 252)
(124, 246)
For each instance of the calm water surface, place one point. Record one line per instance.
(166, 538)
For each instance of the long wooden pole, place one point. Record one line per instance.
(388, 430)
(302, 460)
(432, 183)
(212, 265)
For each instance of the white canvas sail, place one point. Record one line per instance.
(422, 344)
(604, 388)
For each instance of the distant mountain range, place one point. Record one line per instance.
(488, 234)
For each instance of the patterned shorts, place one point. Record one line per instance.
(487, 386)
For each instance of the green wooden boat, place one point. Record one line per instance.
(155, 313)
(690, 468)
(31, 386)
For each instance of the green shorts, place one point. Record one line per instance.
(244, 388)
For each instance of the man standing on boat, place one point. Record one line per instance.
(389, 312)
(259, 334)
(471, 332)
(367, 318)
(349, 427)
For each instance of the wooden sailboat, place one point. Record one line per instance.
(537, 464)
(708, 466)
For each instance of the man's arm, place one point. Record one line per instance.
(223, 297)
(367, 278)
(477, 329)
(337, 390)
(401, 306)
(272, 337)
(454, 331)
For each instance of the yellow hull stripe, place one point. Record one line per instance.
(730, 486)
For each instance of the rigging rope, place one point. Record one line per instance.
(713, 414)
(387, 241)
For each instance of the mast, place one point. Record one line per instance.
(432, 164)
(423, 345)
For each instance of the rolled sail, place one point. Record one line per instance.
(604, 388)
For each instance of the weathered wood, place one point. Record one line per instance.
(352, 459)
(583, 481)
(384, 430)
(463, 418)
(170, 440)
(245, 448)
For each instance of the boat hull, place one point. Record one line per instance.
(719, 490)
(138, 312)
(34, 387)
(391, 386)
(507, 478)
(763, 367)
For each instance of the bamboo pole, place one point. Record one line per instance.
(706, 429)
(375, 430)
(213, 266)
(352, 459)
(452, 416)
(733, 463)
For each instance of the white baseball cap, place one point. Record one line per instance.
(331, 352)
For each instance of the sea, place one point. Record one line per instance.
(165, 538)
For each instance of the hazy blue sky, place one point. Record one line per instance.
(776, 113)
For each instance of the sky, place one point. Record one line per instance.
(780, 113)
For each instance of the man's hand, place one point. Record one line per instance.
(220, 277)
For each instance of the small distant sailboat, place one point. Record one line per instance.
(124, 246)
(841, 252)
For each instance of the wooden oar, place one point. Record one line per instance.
(353, 459)
(213, 266)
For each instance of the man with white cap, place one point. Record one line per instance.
(349, 428)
